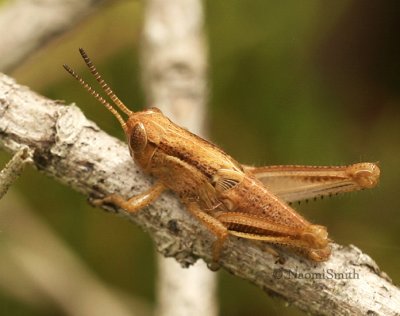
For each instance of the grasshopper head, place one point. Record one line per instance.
(142, 129)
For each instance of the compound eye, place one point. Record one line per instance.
(138, 138)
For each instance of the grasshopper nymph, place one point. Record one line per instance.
(227, 197)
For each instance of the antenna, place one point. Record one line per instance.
(103, 84)
(96, 95)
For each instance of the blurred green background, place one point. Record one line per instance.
(291, 82)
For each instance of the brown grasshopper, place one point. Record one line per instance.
(226, 196)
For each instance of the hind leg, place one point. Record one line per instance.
(215, 226)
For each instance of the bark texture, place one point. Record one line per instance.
(76, 152)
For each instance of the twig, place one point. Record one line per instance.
(47, 18)
(76, 152)
(174, 67)
(13, 169)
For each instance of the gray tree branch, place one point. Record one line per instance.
(34, 23)
(76, 152)
(174, 59)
